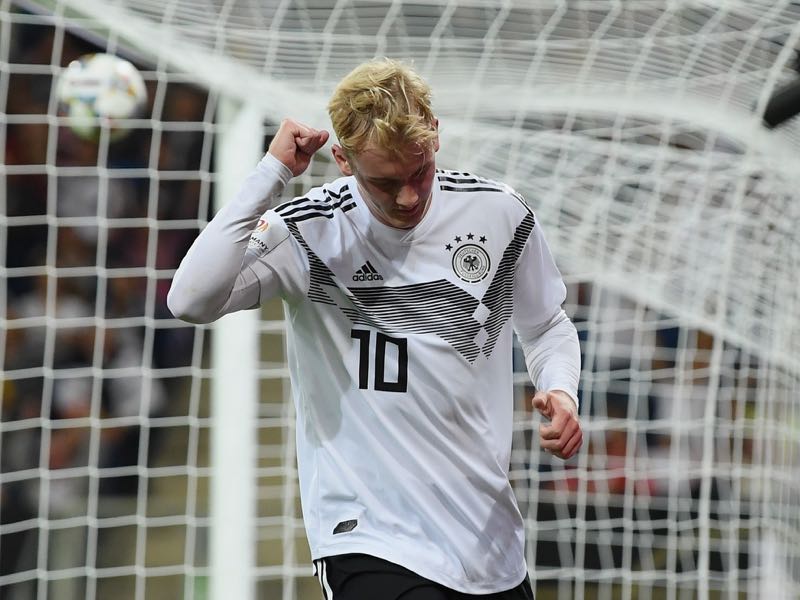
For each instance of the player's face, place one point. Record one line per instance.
(397, 190)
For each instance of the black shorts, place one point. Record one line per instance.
(364, 577)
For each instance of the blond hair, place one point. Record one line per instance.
(383, 102)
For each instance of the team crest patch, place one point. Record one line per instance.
(471, 261)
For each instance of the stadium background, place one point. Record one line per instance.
(635, 130)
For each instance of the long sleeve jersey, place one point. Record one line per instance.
(400, 353)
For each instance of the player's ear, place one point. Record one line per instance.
(436, 141)
(341, 160)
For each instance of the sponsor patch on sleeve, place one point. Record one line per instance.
(266, 236)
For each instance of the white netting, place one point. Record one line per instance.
(635, 131)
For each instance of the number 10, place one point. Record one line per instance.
(380, 383)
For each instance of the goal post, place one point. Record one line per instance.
(143, 456)
(235, 361)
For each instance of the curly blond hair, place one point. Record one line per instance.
(383, 102)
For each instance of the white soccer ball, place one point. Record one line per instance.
(99, 90)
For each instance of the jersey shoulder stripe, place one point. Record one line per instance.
(308, 207)
(457, 181)
(301, 202)
(328, 196)
(329, 214)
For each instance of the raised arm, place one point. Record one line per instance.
(217, 276)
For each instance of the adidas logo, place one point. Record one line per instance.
(367, 273)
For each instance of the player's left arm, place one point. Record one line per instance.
(550, 344)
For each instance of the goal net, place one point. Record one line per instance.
(141, 457)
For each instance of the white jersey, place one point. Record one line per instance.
(400, 346)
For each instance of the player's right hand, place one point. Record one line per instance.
(295, 144)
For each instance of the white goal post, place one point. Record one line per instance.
(140, 456)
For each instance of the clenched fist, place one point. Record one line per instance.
(295, 144)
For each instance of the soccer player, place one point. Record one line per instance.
(402, 285)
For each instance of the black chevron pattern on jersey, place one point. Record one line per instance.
(499, 297)
(321, 276)
(305, 208)
(437, 307)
